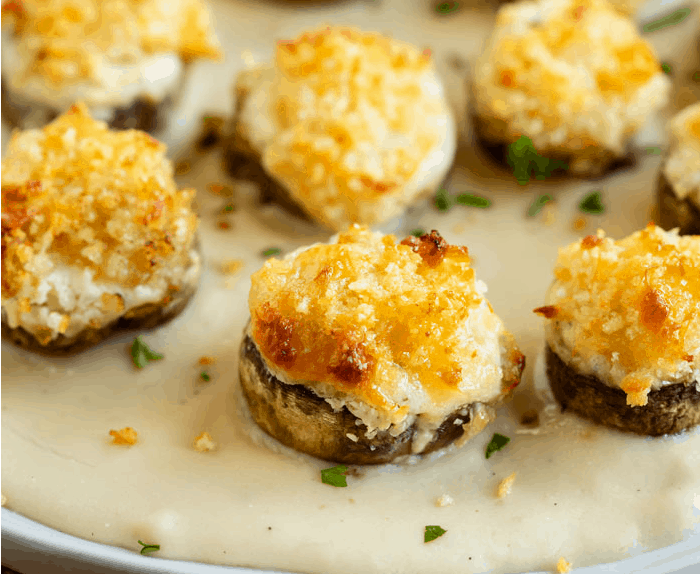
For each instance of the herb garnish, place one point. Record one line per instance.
(669, 20)
(148, 547)
(538, 204)
(443, 201)
(498, 441)
(471, 200)
(524, 159)
(205, 376)
(335, 476)
(446, 7)
(667, 69)
(696, 77)
(592, 204)
(228, 207)
(653, 151)
(432, 532)
(270, 251)
(418, 232)
(141, 354)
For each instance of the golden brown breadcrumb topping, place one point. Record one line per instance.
(80, 193)
(363, 312)
(68, 37)
(633, 302)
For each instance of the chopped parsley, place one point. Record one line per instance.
(592, 204)
(205, 376)
(524, 159)
(472, 200)
(696, 77)
(433, 532)
(148, 547)
(270, 251)
(537, 205)
(446, 7)
(228, 208)
(418, 232)
(498, 441)
(669, 20)
(141, 354)
(667, 69)
(443, 201)
(653, 151)
(335, 476)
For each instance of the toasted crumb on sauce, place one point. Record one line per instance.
(231, 266)
(628, 311)
(444, 500)
(579, 223)
(505, 486)
(125, 436)
(563, 566)
(206, 360)
(204, 443)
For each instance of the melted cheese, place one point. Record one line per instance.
(354, 125)
(572, 75)
(403, 329)
(682, 167)
(628, 311)
(88, 213)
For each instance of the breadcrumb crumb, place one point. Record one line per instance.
(231, 266)
(445, 500)
(206, 360)
(127, 436)
(505, 486)
(579, 223)
(563, 566)
(204, 443)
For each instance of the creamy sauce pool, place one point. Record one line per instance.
(582, 492)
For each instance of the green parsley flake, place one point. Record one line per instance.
(443, 201)
(335, 476)
(433, 532)
(446, 7)
(696, 76)
(592, 204)
(653, 151)
(524, 159)
(472, 200)
(538, 204)
(205, 376)
(148, 547)
(271, 251)
(667, 69)
(498, 441)
(141, 354)
(418, 232)
(669, 20)
(228, 208)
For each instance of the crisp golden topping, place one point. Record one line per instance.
(573, 75)
(125, 436)
(682, 167)
(633, 304)
(379, 320)
(505, 486)
(356, 114)
(103, 200)
(563, 566)
(72, 40)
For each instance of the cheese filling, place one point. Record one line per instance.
(343, 156)
(153, 77)
(69, 299)
(682, 166)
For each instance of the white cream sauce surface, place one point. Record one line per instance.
(583, 492)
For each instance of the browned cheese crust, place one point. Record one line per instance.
(670, 409)
(300, 419)
(676, 212)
